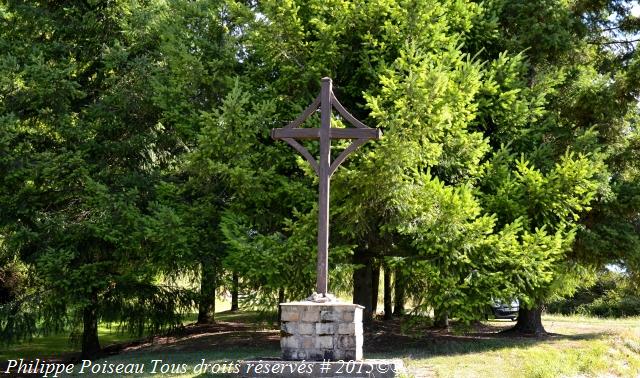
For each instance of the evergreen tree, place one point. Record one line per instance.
(82, 148)
(197, 65)
(565, 113)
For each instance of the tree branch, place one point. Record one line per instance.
(615, 42)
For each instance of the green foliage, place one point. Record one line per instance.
(82, 147)
(547, 30)
(614, 295)
(554, 200)
(135, 150)
(484, 109)
(235, 180)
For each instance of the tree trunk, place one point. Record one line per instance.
(530, 321)
(362, 283)
(207, 302)
(90, 342)
(388, 312)
(440, 319)
(9, 330)
(375, 287)
(281, 295)
(234, 292)
(280, 300)
(398, 309)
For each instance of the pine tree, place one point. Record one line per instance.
(82, 148)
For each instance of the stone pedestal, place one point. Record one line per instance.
(321, 331)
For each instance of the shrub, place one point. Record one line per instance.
(613, 295)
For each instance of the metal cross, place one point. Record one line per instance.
(362, 133)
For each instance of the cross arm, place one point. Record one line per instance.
(307, 112)
(343, 155)
(334, 133)
(303, 151)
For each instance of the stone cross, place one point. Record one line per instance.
(292, 132)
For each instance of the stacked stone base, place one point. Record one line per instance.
(321, 331)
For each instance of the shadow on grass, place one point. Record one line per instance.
(386, 341)
(254, 317)
(253, 335)
(239, 337)
(238, 326)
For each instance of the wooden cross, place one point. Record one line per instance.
(362, 133)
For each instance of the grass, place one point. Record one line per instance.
(59, 344)
(579, 347)
(584, 347)
(54, 345)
